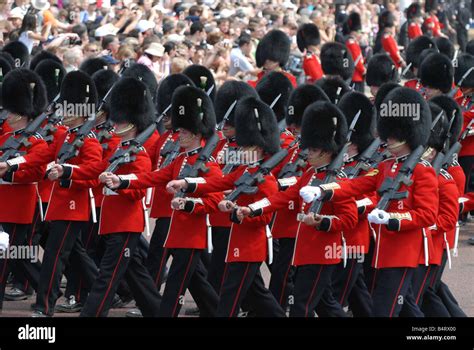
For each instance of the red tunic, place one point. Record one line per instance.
(285, 224)
(316, 246)
(18, 191)
(414, 30)
(468, 113)
(390, 46)
(415, 84)
(400, 243)
(291, 77)
(459, 177)
(72, 202)
(447, 217)
(431, 23)
(312, 68)
(354, 48)
(248, 241)
(286, 138)
(186, 230)
(124, 212)
(468, 204)
(160, 207)
(220, 219)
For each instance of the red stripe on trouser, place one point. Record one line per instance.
(79, 286)
(422, 285)
(343, 296)
(239, 290)
(373, 282)
(224, 275)
(5, 259)
(398, 291)
(54, 268)
(312, 291)
(112, 278)
(282, 293)
(182, 283)
(435, 274)
(33, 231)
(163, 260)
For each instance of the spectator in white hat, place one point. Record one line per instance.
(153, 58)
(16, 17)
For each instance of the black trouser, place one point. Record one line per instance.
(438, 300)
(328, 306)
(392, 285)
(345, 278)
(419, 283)
(462, 36)
(21, 280)
(186, 270)
(61, 241)
(467, 165)
(243, 279)
(281, 281)
(311, 281)
(343, 281)
(220, 241)
(432, 305)
(76, 285)
(120, 260)
(360, 301)
(18, 239)
(157, 254)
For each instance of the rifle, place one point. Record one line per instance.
(365, 160)
(388, 191)
(295, 167)
(437, 163)
(12, 145)
(247, 183)
(170, 151)
(405, 71)
(454, 149)
(200, 164)
(230, 166)
(53, 119)
(71, 150)
(226, 116)
(123, 156)
(454, 90)
(334, 168)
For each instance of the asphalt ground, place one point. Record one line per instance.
(459, 279)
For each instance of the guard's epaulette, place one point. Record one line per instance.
(454, 163)
(212, 159)
(425, 163)
(287, 132)
(92, 135)
(446, 175)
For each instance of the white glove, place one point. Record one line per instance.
(310, 193)
(378, 216)
(4, 241)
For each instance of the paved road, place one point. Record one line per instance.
(459, 278)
